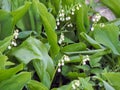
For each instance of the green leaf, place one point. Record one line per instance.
(34, 85)
(81, 18)
(5, 43)
(113, 79)
(4, 15)
(7, 73)
(108, 36)
(16, 82)
(49, 25)
(20, 12)
(74, 75)
(3, 59)
(33, 49)
(90, 40)
(6, 24)
(8, 20)
(74, 47)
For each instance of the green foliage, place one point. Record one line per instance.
(16, 82)
(5, 43)
(105, 37)
(33, 49)
(58, 45)
(34, 85)
(7, 25)
(49, 25)
(113, 79)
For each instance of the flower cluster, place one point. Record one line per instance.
(95, 19)
(85, 59)
(75, 84)
(62, 62)
(62, 38)
(13, 41)
(66, 15)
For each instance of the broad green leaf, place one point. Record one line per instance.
(4, 15)
(20, 12)
(16, 82)
(5, 43)
(75, 59)
(74, 47)
(3, 59)
(113, 79)
(8, 24)
(90, 40)
(34, 85)
(49, 25)
(113, 5)
(7, 73)
(108, 36)
(42, 73)
(33, 49)
(81, 18)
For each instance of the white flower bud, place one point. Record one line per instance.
(59, 64)
(12, 42)
(60, 15)
(62, 60)
(62, 10)
(92, 28)
(77, 8)
(56, 27)
(68, 18)
(16, 37)
(77, 83)
(9, 47)
(80, 5)
(72, 13)
(58, 23)
(68, 25)
(60, 41)
(73, 86)
(62, 64)
(59, 70)
(57, 19)
(73, 9)
(62, 36)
